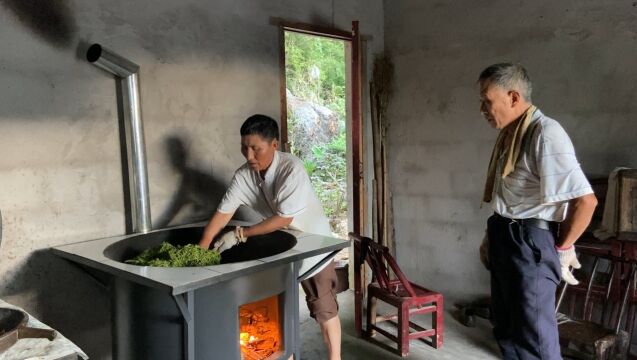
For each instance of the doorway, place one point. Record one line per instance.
(356, 215)
(316, 119)
(320, 117)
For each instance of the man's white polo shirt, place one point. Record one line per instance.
(546, 176)
(286, 191)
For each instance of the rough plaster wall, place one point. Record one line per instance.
(580, 55)
(205, 66)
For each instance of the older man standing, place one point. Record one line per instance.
(534, 183)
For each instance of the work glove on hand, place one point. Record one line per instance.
(568, 258)
(484, 251)
(229, 239)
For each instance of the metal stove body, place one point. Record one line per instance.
(193, 313)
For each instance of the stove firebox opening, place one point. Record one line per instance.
(260, 329)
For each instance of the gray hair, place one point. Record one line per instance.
(508, 76)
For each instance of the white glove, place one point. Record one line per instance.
(229, 239)
(568, 258)
(484, 250)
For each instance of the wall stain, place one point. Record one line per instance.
(51, 20)
(577, 34)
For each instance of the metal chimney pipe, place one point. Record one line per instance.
(127, 71)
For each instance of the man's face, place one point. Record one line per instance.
(496, 105)
(258, 151)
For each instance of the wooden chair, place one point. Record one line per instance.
(409, 298)
(603, 296)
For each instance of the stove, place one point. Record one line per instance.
(245, 308)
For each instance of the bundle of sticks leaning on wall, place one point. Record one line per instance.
(380, 91)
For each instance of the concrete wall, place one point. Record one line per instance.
(205, 66)
(580, 56)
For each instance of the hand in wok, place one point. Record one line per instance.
(229, 239)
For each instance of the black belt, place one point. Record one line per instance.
(538, 223)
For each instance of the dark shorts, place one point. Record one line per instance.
(320, 294)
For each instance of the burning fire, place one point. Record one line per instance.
(259, 335)
(245, 339)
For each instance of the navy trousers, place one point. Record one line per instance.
(525, 272)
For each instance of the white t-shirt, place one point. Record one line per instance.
(545, 177)
(286, 191)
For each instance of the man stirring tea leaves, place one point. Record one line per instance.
(276, 185)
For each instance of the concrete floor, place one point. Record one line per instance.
(460, 342)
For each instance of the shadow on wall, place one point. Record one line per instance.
(191, 36)
(66, 298)
(198, 194)
(51, 20)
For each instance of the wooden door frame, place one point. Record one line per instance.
(354, 38)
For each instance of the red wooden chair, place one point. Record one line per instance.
(409, 298)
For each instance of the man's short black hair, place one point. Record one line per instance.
(260, 125)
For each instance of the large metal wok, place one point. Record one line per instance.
(256, 247)
(13, 326)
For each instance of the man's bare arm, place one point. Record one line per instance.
(580, 212)
(268, 225)
(218, 222)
